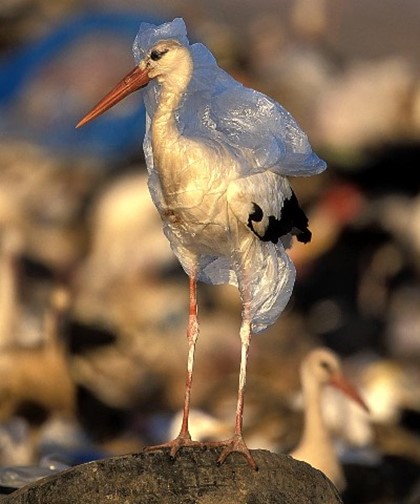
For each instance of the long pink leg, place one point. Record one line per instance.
(192, 335)
(184, 437)
(237, 442)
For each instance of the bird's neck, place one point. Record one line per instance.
(164, 121)
(8, 296)
(316, 445)
(171, 95)
(167, 140)
(314, 428)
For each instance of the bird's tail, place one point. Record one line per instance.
(262, 271)
(270, 277)
(264, 274)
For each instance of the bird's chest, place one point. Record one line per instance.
(194, 204)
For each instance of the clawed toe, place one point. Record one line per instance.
(175, 445)
(235, 444)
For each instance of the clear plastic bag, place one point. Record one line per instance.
(257, 136)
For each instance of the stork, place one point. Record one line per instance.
(322, 367)
(217, 155)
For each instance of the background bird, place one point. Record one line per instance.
(218, 155)
(322, 367)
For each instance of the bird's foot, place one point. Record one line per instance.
(177, 443)
(235, 444)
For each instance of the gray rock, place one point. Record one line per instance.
(192, 478)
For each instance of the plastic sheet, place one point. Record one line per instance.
(228, 133)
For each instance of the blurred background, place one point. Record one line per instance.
(93, 305)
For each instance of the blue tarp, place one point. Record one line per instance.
(111, 136)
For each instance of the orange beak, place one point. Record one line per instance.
(134, 80)
(340, 382)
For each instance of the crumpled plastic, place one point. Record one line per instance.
(215, 104)
(259, 133)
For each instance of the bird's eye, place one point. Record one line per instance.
(325, 365)
(155, 55)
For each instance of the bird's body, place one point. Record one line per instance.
(320, 368)
(218, 155)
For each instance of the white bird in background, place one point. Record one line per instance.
(218, 155)
(322, 367)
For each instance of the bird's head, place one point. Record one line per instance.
(323, 367)
(166, 61)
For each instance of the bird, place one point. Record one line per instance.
(11, 245)
(218, 155)
(319, 368)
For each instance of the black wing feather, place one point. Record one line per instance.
(292, 220)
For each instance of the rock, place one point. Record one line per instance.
(192, 478)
